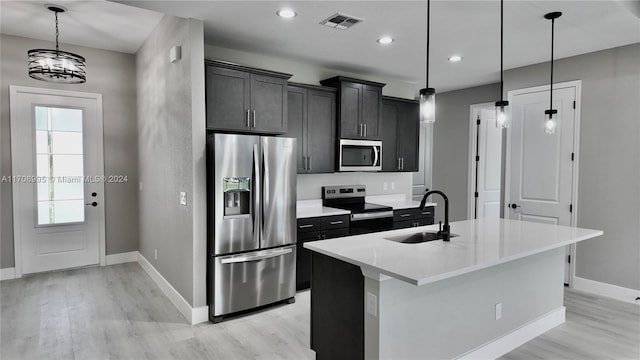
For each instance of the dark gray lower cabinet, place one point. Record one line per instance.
(405, 218)
(400, 131)
(312, 120)
(312, 229)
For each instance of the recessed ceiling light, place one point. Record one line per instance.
(455, 58)
(385, 40)
(286, 13)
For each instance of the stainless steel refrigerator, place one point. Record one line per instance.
(251, 215)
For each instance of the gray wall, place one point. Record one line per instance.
(111, 74)
(609, 179)
(451, 145)
(171, 136)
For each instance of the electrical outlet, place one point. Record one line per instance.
(155, 254)
(372, 304)
(498, 311)
(385, 186)
(183, 198)
(393, 185)
(140, 185)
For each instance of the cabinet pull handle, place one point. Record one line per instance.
(360, 129)
(309, 163)
(401, 163)
(426, 213)
(248, 120)
(405, 215)
(304, 165)
(254, 118)
(305, 226)
(398, 163)
(324, 236)
(365, 130)
(336, 222)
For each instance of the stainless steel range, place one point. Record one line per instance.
(365, 217)
(252, 222)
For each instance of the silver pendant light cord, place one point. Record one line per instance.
(553, 21)
(57, 32)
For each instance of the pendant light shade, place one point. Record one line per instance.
(428, 94)
(551, 115)
(55, 65)
(502, 112)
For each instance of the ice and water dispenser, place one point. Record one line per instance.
(237, 196)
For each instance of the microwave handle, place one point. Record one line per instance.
(375, 156)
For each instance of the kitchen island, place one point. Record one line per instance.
(496, 285)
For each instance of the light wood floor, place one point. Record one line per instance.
(118, 312)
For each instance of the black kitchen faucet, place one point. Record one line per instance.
(444, 230)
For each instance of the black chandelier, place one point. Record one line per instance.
(551, 123)
(56, 65)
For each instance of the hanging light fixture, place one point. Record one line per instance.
(428, 95)
(502, 118)
(56, 65)
(551, 114)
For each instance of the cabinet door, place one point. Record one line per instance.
(268, 104)
(408, 131)
(321, 134)
(296, 123)
(389, 121)
(227, 99)
(350, 110)
(370, 115)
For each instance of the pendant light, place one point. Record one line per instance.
(56, 65)
(551, 114)
(502, 117)
(428, 95)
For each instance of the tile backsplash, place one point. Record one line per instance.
(310, 185)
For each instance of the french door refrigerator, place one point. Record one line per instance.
(251, 222)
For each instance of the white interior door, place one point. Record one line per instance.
(540, 177)
(485, 163)
(422, 178)
(58, 179)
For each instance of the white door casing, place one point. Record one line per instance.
(422, 178)
(53, 232)
(489, 147)
(541, 175)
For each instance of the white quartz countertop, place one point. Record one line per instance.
(314, 208)
(481, 243)
(396, 201)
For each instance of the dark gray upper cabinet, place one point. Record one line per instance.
(312, 117)
(400, 131)
(359, 107)
(243, 99)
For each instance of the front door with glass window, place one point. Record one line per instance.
(57, 173)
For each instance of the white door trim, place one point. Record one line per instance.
(577, 84)
(473, 128)
(17, 236)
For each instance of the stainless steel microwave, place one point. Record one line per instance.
(360, 155)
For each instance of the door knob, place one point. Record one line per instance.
(514, 206)
(94, 204)
(94, 194)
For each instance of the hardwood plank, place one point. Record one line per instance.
(118, 312)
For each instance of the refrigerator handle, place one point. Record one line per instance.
(256, 257)
(257, 195)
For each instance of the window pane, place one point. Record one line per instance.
(67, 165)
(42, 144)
(42, 114)
(43, 191)
(43, 213)
(67, 142)
(42, 166)
(66, 211)
(71, 190)
(66, 119)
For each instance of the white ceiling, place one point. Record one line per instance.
(97, 23)
(469, 28)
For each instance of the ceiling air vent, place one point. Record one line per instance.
(340, 21)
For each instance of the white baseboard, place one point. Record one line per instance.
(121, 258)
(518, 337)
(7, 274)
(608, 290)
(193, 315)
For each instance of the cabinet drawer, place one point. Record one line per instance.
(335, 222)
(309, 224)
(330, 234)
(427, 212)
(406, 214)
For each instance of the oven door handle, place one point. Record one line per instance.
(371, 215)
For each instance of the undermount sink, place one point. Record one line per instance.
(420, 237)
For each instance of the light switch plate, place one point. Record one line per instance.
(372, 304)
(498, 311)
(183, 198)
